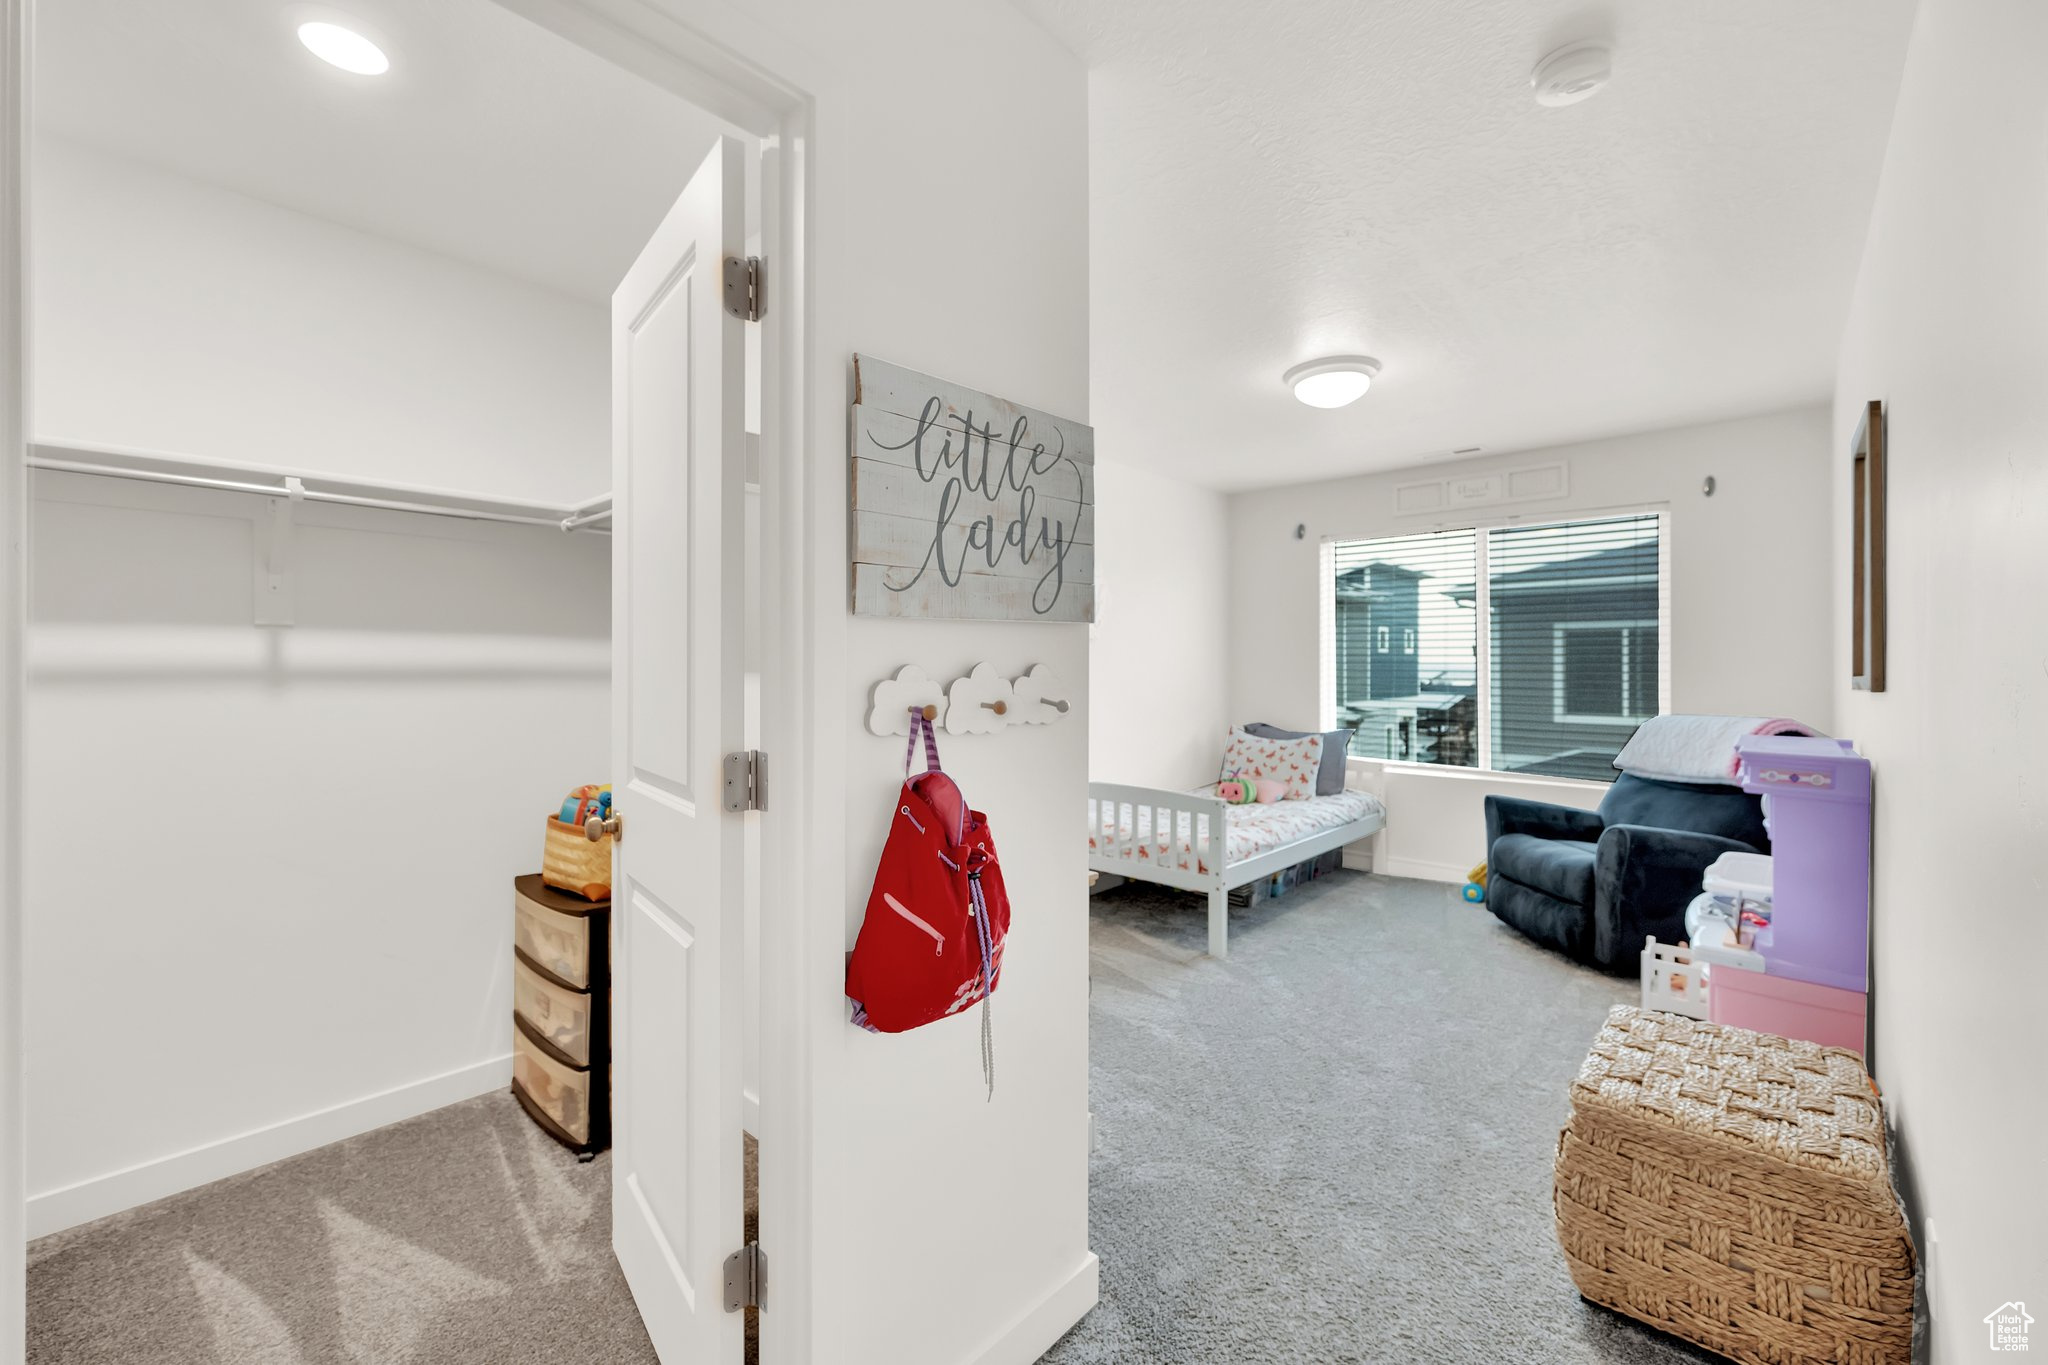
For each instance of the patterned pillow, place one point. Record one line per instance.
(1290, 762)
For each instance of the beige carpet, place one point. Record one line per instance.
(1334, 1147)
(462, 1236)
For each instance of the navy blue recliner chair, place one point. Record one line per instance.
(1593, 883)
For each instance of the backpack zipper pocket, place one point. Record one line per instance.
(938, 939)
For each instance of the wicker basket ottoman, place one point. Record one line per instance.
(1732, 1188)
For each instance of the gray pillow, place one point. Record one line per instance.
(1336, 745)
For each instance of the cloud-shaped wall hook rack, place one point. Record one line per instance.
(981, 703)
(895, 698)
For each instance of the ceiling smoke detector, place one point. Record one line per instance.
(1572, 73)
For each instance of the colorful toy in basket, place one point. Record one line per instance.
(585, 802)
(572, 861)
(1475, 884)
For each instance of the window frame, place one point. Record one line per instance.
(1558, 714)
(1483, 604)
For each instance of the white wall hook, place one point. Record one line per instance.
(1041, 698)
(978, 704)
(894, 699)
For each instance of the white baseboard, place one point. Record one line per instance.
(1046, 1321)
(1428, 872)
(55, 1210)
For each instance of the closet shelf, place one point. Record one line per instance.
(68, 457)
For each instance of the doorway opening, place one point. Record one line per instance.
(320, 576)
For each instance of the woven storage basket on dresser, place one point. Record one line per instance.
(574, 862)
(1732, 1188)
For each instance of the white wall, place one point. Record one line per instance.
(1750, 611)
(1436, 818)
(268, 883)
(921, 1162)
(178, 317)
(1949, 329)
(14, 27)
(267, 892)
(1159, 649)
(944, 1227)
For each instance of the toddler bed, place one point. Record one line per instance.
(1197, 842)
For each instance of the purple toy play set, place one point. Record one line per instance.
(1808, 971)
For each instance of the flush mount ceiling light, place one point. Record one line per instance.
(1572, 73)
(345, 48)
(1332, 381)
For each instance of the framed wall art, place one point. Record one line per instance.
(965, 506)
(1867, 551)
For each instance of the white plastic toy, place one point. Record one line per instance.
(1673, 980)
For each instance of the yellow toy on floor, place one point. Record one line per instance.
(1475, 884)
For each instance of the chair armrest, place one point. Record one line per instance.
(1643, 879)
(1512, 815)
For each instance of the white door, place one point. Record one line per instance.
(677, 539)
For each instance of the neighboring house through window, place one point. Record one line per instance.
(1522, 648)
(1603, 672)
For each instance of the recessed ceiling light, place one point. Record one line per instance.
(345, 48)
(1574, 72)
(1332, 381)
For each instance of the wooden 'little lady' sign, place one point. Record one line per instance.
(967, 506)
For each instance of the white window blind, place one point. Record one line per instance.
(1575, 642)
(1402, 643)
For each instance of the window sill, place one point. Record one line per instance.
(1490, 776)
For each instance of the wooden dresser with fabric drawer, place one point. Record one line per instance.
(561, 1013)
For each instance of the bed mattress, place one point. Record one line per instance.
(1249, 831)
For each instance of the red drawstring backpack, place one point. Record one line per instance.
(931, 943)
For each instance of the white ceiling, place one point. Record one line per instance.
(490, 139)
(1273, 183)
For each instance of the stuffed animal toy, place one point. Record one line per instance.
(1243, 791)
(584, 802)
(1238, 791)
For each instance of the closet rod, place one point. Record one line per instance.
(271, 490)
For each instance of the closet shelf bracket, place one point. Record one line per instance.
(272, 585)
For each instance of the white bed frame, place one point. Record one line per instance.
(1111, 807)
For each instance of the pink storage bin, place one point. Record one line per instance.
(1827, 1015)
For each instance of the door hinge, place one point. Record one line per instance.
(743, 297)
(746, 780)
(746, 1278)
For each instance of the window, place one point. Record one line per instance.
(1603, 672)
(1421, 704)
(1569, 661)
